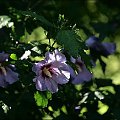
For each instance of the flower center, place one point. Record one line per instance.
(47, 72)
(79, 66)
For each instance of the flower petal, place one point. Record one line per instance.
(55, 56)
(110, 48)
(37, 66)
(60, 79)
(62, 69)
(50, 57)
(2, 81)
(59, 56)
(91, 41)
(73, 60)
(83, 76)
(11, 76)
(66, 73)
(51, 85)
(3, 56)
(79, 60)
(72, 72)
(40, 83)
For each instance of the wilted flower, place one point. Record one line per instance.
(98, 48)
(51, 71)
(82, 74)
(7, 75)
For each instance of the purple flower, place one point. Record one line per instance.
(51, 71)
(3, 57)
(7, 75)
(81, 74)
(98, 49)
(101, 48)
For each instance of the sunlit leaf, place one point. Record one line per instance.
(13, 56)
(40, 99)
(5, 21)
(102, 108)
(99, 95)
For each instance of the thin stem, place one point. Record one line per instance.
(53, 44)
(49, 42)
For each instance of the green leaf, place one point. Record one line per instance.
(38, 34)
(49, 95)
(13, 56)
(5, 21)
(69, 40)
(37, 17)
(42, 98)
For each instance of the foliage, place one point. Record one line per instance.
(30, 28)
